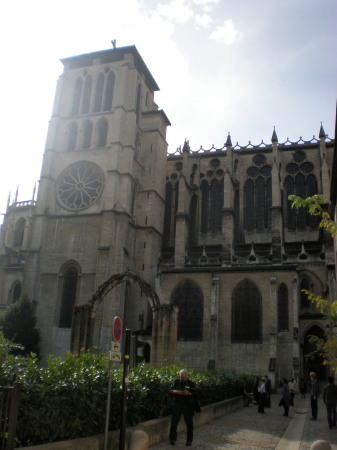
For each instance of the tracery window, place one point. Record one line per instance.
(72, 136)
(302, 182)
(102, 132)
(77, 96)
(109, 90)
(15, 292)
(212, 198)
(189, 298)
(171, 206)
(86, 95)
(246, 313)
(69, 287)
(282, 308)
(99, 93)
(87, 133)
(19, 230)
(305, 302)
(258, 195)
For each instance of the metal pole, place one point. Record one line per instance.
(106, 434)
(124, 394)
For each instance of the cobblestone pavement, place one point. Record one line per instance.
(246, 429)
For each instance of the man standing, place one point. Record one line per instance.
(314, 393)
(262, 395)
(185, 396)
(330, 400)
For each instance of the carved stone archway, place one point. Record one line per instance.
(165, 318)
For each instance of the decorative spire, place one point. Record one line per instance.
(9, 199)
(229, 140)
(16, 195)
(186, 146)
(322, 132)
(34, 191)
(274, 136)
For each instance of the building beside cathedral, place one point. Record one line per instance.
(198, 250)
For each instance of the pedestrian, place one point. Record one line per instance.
(268, 391)
(185, 402)
(247, 396)
(292, 390)
(262, 395)
(314, 393)
(330, 400)
(285, 397)
(303, 387)
(255, 390)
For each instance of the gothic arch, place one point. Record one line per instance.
(84, 315)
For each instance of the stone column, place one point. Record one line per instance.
(164, 335)
(213, 328)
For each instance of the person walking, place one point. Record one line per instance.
(268, 391)
(314, 393)
(292, 390)
(303, 387)
(285, 397)
(185, 402)
(330, 400)
(262, 395)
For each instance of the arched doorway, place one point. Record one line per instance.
(164, 319)
(312, 362)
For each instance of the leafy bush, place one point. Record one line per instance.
(17, 322)
(67, 398)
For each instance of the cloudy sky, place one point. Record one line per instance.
(238, 66)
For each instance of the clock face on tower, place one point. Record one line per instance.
(80, 185)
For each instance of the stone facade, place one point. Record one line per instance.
(211, 231)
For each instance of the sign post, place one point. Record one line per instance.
(114, 355)
(125, 383)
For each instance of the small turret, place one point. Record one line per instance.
(274, 136)
(322, 132)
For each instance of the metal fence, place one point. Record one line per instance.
(9, 407)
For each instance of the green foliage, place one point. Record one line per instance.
(67, 398)
(18, 324)
(326, 347)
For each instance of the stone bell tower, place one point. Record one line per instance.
(100, 203)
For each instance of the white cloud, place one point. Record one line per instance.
(178, 11)
(226, 33)
(203, 20)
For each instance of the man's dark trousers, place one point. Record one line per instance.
(331, 410)
(178, 411)
(314, 407)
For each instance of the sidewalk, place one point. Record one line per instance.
(245, 429)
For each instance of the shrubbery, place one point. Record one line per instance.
(67, 398)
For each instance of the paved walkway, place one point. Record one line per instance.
(245, 429)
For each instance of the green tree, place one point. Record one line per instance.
(325, 347)
(18, 324)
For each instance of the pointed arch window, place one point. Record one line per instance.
(138, 97)
(258, 195)
(109, 90)
(212, 199)
(188, 297)
(69, 289)
(282, 308)
(193, 232)
(73, 130)
(99, 93)
(302, 182)
(171, 206)
(102, 133)
(247, 313)
(77, 96)
(86, 95)
(87, 134)
(19, 230)
(15, 292)
(305, 302)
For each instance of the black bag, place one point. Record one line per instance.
(281, 403)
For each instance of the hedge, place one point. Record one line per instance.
(67, 398)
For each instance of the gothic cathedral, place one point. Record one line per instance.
(198, 251)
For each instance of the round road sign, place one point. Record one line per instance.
(117, 329)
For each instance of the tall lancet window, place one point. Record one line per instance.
(300, 181)
(69, 282)
(77, 96)
(282, 308)
(212, 198)
(258, 195)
